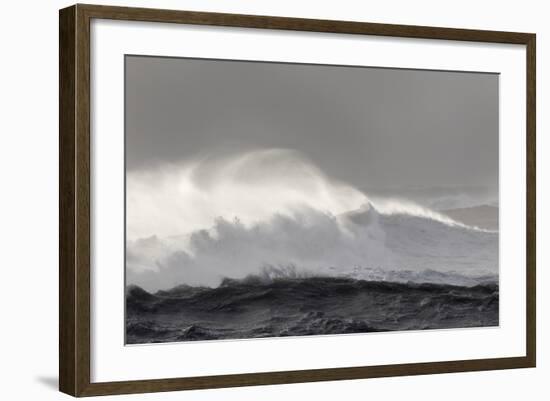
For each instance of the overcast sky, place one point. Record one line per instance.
(369, 127)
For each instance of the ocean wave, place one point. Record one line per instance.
(388, 246)
(218, 217)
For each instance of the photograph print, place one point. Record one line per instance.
(268, 199)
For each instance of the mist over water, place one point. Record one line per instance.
(273, 212)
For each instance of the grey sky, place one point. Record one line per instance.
(369, 127)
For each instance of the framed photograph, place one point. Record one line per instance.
(250, 200)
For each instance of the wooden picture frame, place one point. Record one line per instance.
(74, 200)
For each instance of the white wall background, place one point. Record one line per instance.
(28, 201)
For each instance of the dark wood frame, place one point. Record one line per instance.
(74, 199)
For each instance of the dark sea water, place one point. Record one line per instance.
(255, 308)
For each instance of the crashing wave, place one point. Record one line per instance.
(281, 211)
(315, 243)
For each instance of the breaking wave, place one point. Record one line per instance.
(273, 212)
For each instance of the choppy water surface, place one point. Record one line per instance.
(253, 308)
